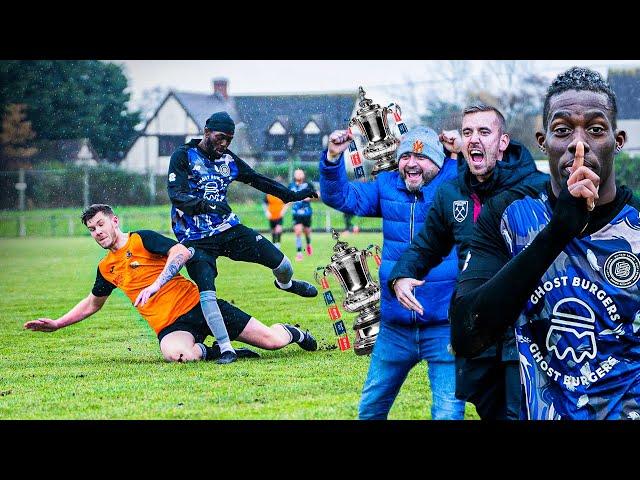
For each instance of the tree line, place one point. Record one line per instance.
(64, 99)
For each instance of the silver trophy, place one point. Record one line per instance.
(371, 120)
(349, 265)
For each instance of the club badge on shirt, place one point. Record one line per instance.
(622, 269)
(460, 210)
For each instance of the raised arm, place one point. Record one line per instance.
(493, 288)
(357, 198)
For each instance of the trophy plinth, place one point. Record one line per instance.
(349, 266)
(371, 120)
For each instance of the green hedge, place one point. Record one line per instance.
(65, 188)
(628, 171)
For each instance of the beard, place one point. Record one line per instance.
(427, 176)
(210, 148)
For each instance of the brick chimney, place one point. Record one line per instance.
(220, 87)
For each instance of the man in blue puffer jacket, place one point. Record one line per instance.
(402, 198)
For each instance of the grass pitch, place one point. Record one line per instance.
(109, 366)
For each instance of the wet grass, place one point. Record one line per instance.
(109, 366)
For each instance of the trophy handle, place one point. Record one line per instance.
(376, 256)
(397, 108)
(318, 277)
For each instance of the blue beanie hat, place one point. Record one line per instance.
(423, 140)
(221, 122)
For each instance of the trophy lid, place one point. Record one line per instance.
(365, 103)
(341, 249)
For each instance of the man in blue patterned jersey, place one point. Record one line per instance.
(302, 213)
(559, 260)
(199, 175)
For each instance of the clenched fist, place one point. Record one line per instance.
(451, 140)
(338, 142)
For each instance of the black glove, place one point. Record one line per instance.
(570, 216)
(221, 208)
(304, 193)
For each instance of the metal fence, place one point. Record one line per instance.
(66, 223)
(48, 202)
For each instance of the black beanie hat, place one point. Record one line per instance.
(221, 122)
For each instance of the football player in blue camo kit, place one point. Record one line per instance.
(302, 213)
(199, 175)
(559, 260)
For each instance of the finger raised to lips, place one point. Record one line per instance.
(578, 161)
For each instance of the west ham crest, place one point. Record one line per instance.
(460, 210)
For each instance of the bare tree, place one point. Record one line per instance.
(517, 91)
(151, 99)
(16, 137)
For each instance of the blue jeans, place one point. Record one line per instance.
(397, 350)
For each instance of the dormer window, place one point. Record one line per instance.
(277, 129)
(277, 139)
(311, 128)
(311, 138)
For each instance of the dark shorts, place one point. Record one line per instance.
(305, 220)
(238, 243)
(491, 384)
(194, 322)
(273, 223)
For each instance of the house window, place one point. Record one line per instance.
(310, 138)
(167, 144)
(277, 142)
(311, 142)
(311, 128)
(277, 129)
(277, 138)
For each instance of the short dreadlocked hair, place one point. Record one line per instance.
(94, 209)
(579, 78)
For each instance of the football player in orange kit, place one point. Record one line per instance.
(145, 265)
(274, 209)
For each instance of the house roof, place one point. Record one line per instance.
(255, 114)
(200, 106)
(626, 85)
(328, 111)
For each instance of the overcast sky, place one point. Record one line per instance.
(385, 81)
(300, 76)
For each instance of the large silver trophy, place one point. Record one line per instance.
(371, 120)
(349, 265)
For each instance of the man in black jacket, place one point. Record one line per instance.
(199, 175)
(494, 163)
